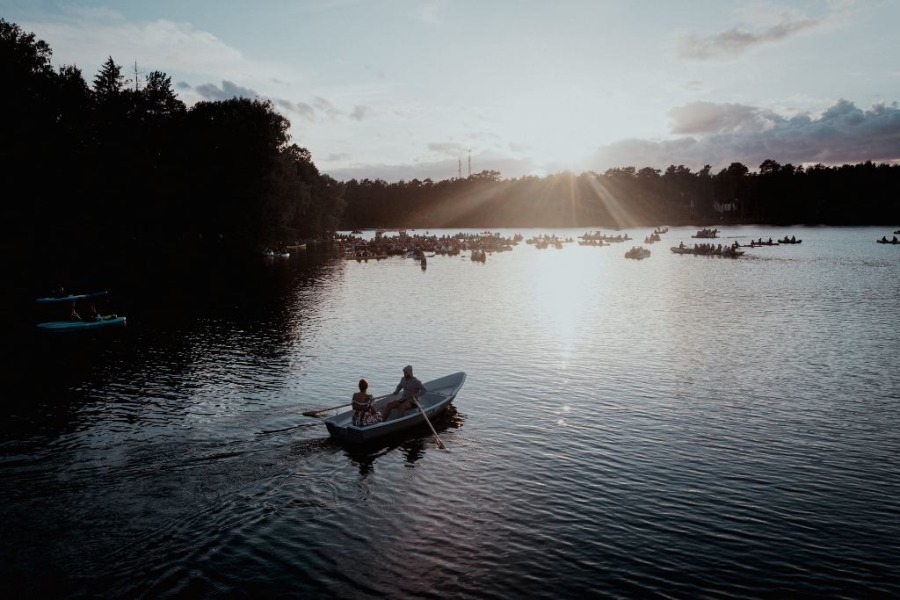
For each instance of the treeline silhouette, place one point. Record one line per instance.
(123, 164)
(628, 197)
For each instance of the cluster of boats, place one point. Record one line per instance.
(402, 244)
(542, 242)
(706, 233)
(602, 239)
(726, 251)
(69, 317)
(639, 252)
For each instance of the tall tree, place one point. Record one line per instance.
(109, 80)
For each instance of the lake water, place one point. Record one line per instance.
(680, 426)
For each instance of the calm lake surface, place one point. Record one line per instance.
(680, 426)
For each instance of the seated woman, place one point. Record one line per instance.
(364, 410)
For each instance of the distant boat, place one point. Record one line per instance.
(638, 253)
(102, 322)
(70, 297)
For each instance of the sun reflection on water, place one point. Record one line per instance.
(564, 293)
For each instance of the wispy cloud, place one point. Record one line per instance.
(429, 12)
(734, 42)
(446, 148)
(87, 37)
(360, 112)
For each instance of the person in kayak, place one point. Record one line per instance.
(93, 315)
(409, 389)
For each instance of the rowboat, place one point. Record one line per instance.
(105, 321)
(440, 393)
(638, 253)
(70, 297)
(726, 251)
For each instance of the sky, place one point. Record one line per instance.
(414, 89)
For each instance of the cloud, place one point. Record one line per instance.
(302, 109)
(706, 117)
(87, 37)
(446, 148)
(429, 13)
(842, 134)
(229, 90)
(734, 42)
(325, 107)
(360, 112)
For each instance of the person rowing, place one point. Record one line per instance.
(409, 389)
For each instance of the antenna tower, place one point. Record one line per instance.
(136, 73)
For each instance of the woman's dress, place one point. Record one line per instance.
(364, 410)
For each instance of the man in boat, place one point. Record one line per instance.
(93, 314)
(409, 389)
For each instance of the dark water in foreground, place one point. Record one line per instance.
(674, 427)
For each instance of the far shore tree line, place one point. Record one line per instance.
(860, 194)
(124, 165)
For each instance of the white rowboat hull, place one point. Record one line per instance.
(440, 394)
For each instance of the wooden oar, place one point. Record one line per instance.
(316, 413)
(437, 438)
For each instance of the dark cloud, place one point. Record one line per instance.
(734, 42)
(319, 109)
(302, 109)
(229, 90)
(843, 134)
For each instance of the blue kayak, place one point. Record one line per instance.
(71, 297)
(107, 321)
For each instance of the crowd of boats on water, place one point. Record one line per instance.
(421, 247)
(75, 312)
